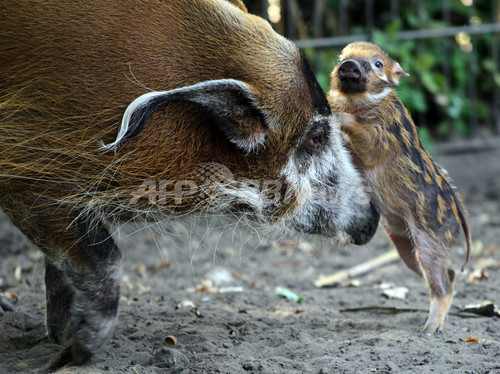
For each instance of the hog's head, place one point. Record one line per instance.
(239, 125)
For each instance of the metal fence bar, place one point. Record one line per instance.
(265, 5)
(343, 17)
(394, 9)
(446, 46)
(471, 81)
(495, 55)
(370, 20)
(421, 115)
(444, 32)
(291, 11)
(319, 6)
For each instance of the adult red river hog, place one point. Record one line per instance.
(149, 110)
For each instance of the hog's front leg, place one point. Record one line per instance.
(59, 300)
(93, 277)
(82, 274)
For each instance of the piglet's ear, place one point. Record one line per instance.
(398, 72)
(229, 103)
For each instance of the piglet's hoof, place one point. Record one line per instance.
(432, 330)
(6, 305)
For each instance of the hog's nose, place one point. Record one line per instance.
(361, 233)
(349, 69)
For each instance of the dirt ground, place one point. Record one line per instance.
(246, 327)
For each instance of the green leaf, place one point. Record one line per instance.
(426, 138)
(429, 82)
(290, 295)
(323, 80)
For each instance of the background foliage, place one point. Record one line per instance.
(454, 81)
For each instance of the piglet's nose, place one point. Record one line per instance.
(349, 69)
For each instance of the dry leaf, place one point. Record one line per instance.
(396, 293)
(143, 289)
(477, 248)
(140, 269)
(231, 289)
(128, 286)
(197, 311)
(487, 262)
(206, 285)
(162, 266)
(478, 275)
(185, 304)
(471, 340)
(17, 273)
(487, 309)
(11, 296)
(491, 249)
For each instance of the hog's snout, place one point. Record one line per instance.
(361, 231)
(350, 69)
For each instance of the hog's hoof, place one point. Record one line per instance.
(79, 354)
(69, 356)
(63, 358)
(6, 305)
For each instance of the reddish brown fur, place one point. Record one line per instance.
(49, 82)
(422, 213)
(68, 72)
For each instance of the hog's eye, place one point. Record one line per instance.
(379, 64)
(315, 140)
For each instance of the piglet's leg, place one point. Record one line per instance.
(440, 280)
(406, 251)
(430, 262)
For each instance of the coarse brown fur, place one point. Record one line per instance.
(422, 212)
(249, 106)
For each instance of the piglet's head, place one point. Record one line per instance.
(366, 72)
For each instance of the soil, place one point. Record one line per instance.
(243, 326)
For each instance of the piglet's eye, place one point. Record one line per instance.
(315, 140)
(379, 64)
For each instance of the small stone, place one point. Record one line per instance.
(248, 366)
(391, 366)
(170, 358)
(142, 358)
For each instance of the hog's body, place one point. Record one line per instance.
(228, 91)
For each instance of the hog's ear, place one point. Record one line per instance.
(398, 72)
(229, 103)
(239, 4)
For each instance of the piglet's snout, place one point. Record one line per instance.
(350, 69)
